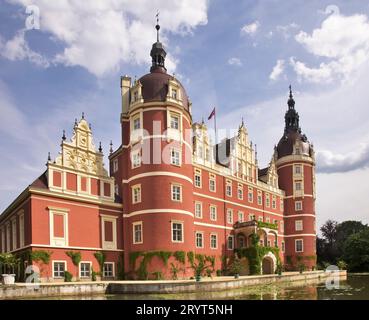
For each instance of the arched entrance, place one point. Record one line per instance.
(268, 263)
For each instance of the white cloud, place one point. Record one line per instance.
(250, 29)
(286, 30)
(103, 34)
(17, 49)
(341, 40)
(277, 70)
(234, 61)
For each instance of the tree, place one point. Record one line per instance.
(344, 230)
(356, 251)
(328, 249)
(329, 230)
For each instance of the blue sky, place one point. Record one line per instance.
(238, 56)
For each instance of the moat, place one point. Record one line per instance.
(356, 287)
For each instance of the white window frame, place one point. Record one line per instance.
(80, 269)
(299, 225)
(250, 195)
(298, 205)
(109, 245)
(260, 198)
(136, 161)
(202, 239)
(172, 229)
(173, 115)
(229, 188)
(229, 216)
(115, 165)
(295, 185)
(113, 269)
(58, 241)
(302, 245)
(134, 121)
(198, 182)
(65, 268)
(134, 224)
(274, 202)
(295, 166)
(196, 213)
(214, 214)
(211, 241)
(267, 200)
(177, 156)
(139, 195)
(212, 178)
(173, 194)
(281, 204)
(260, 218)
(241, 214)
(230, 237)
(240, 192)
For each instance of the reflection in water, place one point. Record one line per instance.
(355, 287)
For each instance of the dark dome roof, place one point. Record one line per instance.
(287, 142)
(155, 87)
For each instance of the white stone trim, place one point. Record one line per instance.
(133, 232)
(212, 225)
(139, 212)
(113, 269)
(298, 235)
(58, 261)
(182, 231)
(109, 245)
(300, 215)
(69, 247)
(158, 173)
(58, 241)
(79, 269)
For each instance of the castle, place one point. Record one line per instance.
(170, 196)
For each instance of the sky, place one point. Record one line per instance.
(61, 58)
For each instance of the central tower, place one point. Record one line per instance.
(153, 166)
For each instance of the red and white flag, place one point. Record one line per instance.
(212, 114)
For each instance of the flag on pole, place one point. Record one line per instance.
(212, 114)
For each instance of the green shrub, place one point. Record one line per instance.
(67, 276)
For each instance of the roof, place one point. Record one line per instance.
(40, 182)
(263, 172)
(287, 142)
(155, 87)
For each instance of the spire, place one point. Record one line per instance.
(100, 147)
(48, 157)
(291, 117)
(157, 52)
(111, 147)
(64, 137)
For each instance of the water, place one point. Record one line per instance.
(356, 287)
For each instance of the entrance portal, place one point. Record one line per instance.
(268, 265)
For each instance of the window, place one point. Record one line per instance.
(230, 216)
(260, 218)
(136, 123)
(267, 200)
(14, 234)
(268, 243)
(199, 240)
(250, 195)
(207, 154)
(298, 205)
(213, 213)
(174, 121)
(58, 224)
(116, 189)
(281, 226)
(135, 96)
(267, 220)
(197, 178)
(281, 205)
(213, 241)
(297, 151)
(175, 157)
(108, 270)
(298, 225)
(240, 192)
(109, 232)
(136, 194)
(283, 246)
(260, 199)
(84, 269)
(299, 245)
(275, 222)
(274, 202)
(174, 93)
(241, 241)
(229, 188)
(58, 269)
(177, 231)
(176, 192)
(115, 165)
(298, 169)
(298, 185)
(212, 184)
(240, 216)
(251, 217)
(199, 151)
(198, 210)
(136, 159)
(230, 242)
(137, 232)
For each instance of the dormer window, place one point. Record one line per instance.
(297, 151)
(174, 94)
(135, 96)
